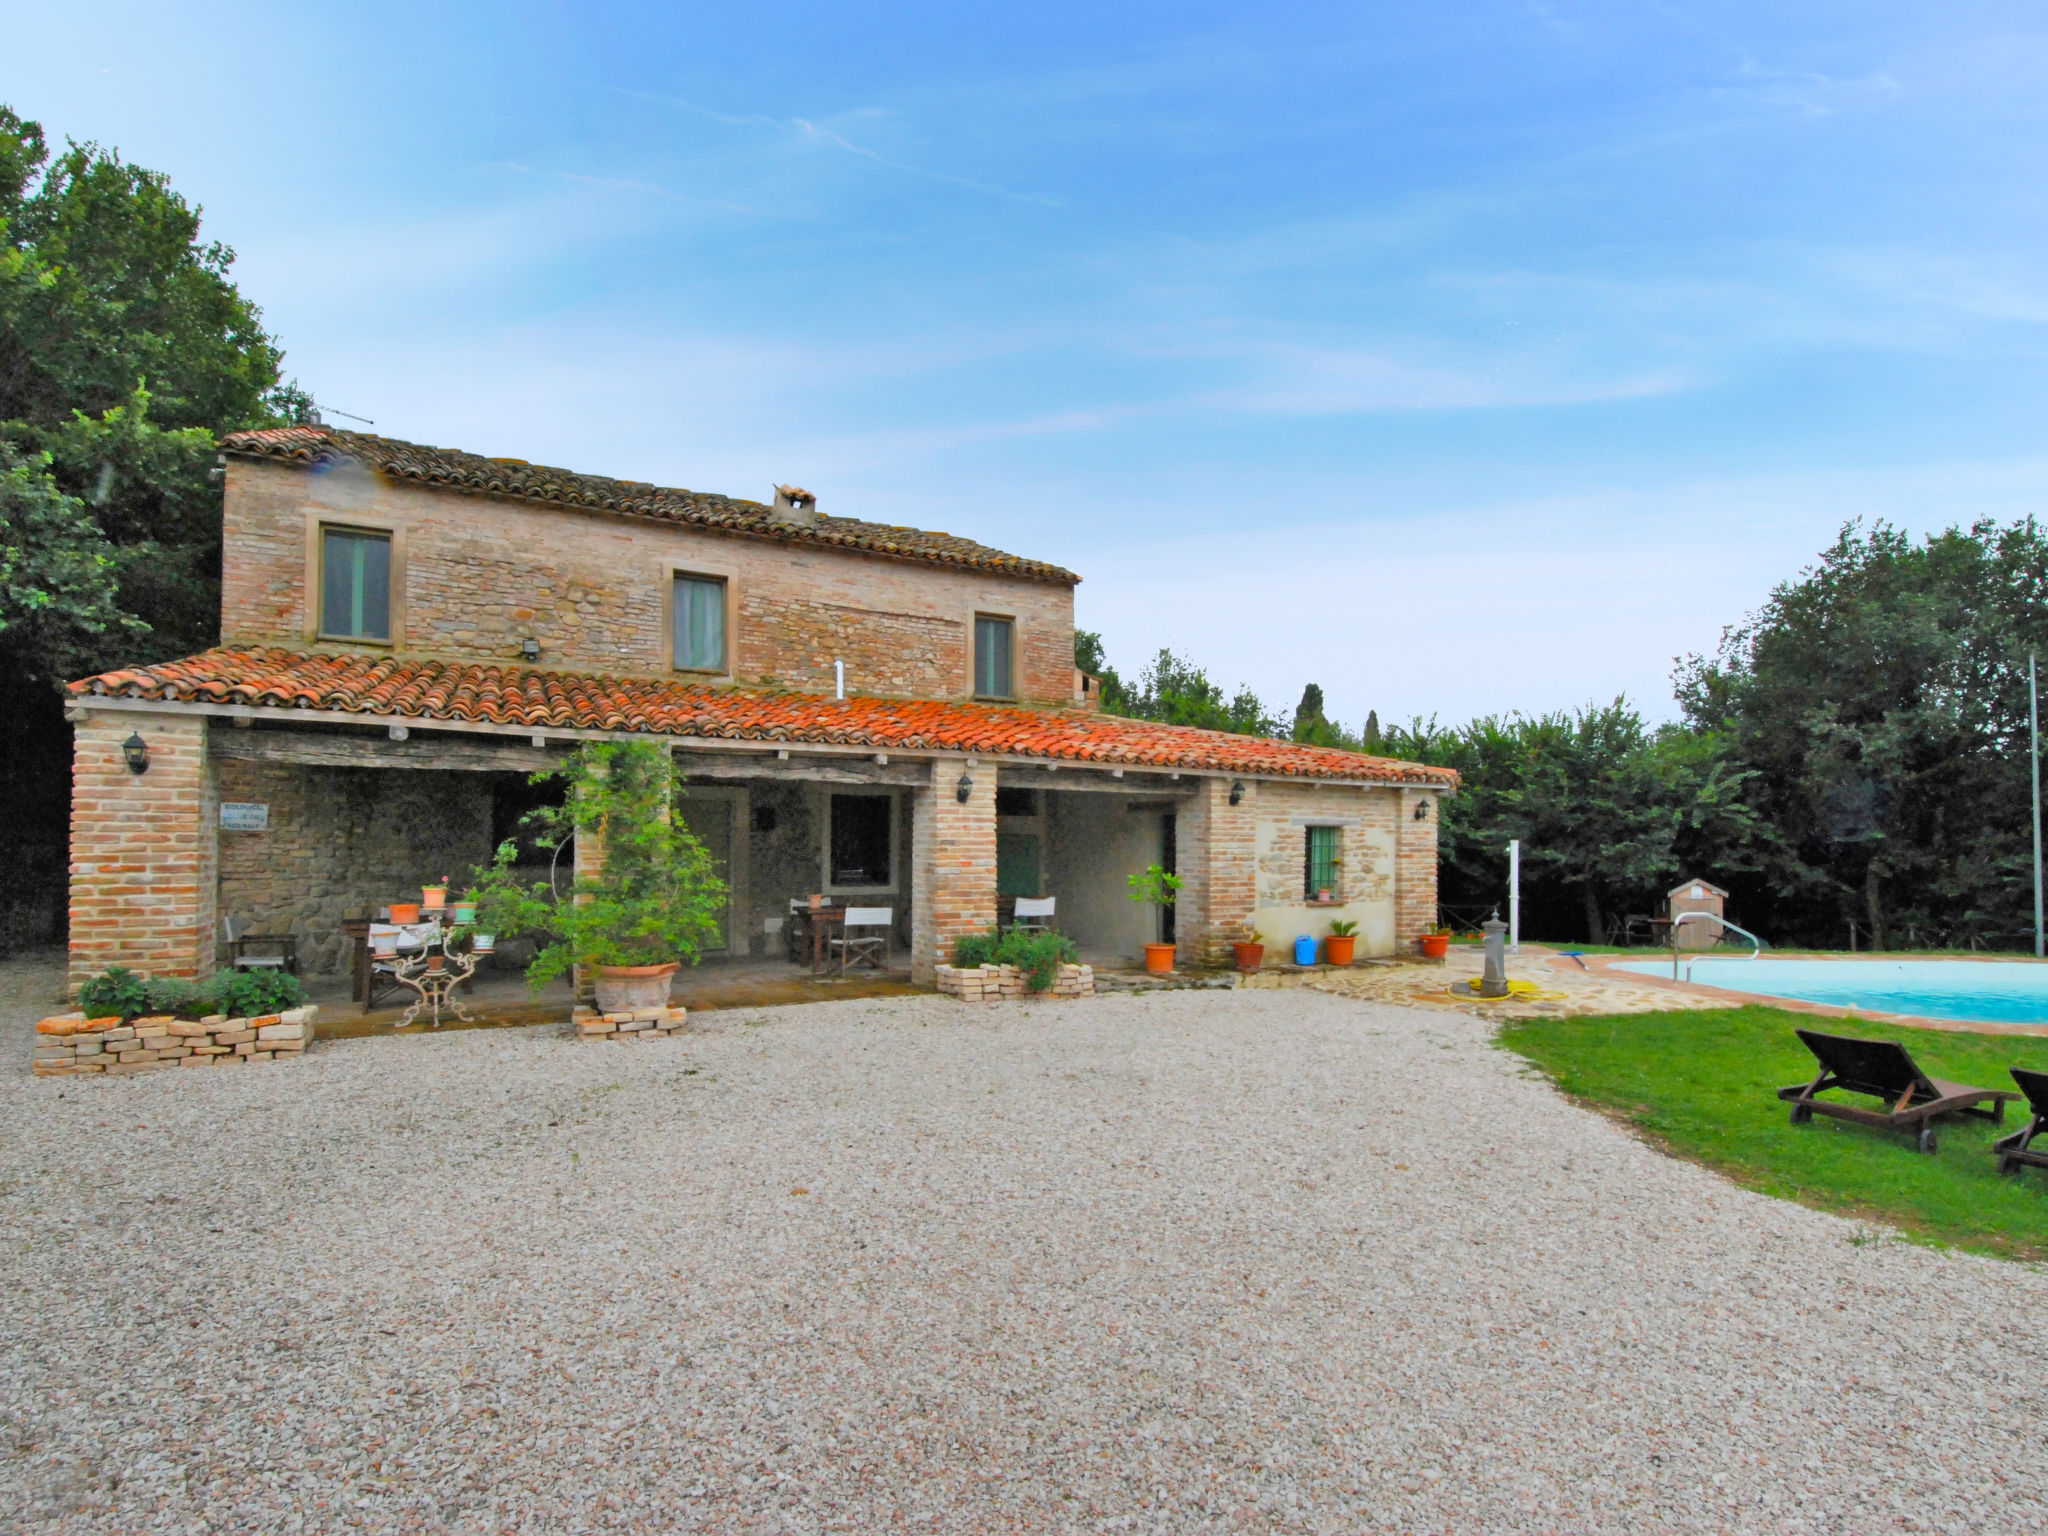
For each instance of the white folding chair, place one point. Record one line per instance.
(866, 948)
(1034, 914)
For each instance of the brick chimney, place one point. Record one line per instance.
(794, 504)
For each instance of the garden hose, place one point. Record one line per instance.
(1518, 992)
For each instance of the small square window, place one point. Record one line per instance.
(1320, 871)
(992, 658)
(862, 840)
(355, 584)
(700, 624)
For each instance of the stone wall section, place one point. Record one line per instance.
(952, 863)
(143, 862)
(993, 983)
(474, 576)
(344, 842)
(71, 1045)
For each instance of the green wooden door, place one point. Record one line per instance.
(1016, 864)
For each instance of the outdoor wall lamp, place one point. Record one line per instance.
(529, 648)
(136, 750)
(1237, 792)
(1422, 810)
(963, 789)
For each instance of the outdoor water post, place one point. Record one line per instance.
(1494, 983)
(1514, 897)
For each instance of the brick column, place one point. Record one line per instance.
(952, 863)
(145, 848)
(1219, 872)
(1415, 866)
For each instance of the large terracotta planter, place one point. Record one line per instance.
(405, 912)
(1436, 945)
(1249, 956)
(1159, 958)
(1340, 948)
(625, 988)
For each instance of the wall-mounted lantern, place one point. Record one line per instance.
(1422, 810)
(1237, 792)
(963, 789)
(136, 750)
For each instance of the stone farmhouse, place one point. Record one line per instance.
(888, 716)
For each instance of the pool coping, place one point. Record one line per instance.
(1726, 996)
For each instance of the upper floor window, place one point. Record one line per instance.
(700, 624)
(355, 584)
(992, 657)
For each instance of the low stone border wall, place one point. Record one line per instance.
(641, 1024)
(71, 1045)
(991, 983)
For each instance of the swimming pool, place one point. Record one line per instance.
(1979, 991)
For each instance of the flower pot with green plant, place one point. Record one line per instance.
(1341, 948)
(1155, 887)
(1436, 943)
(650, 904)
(1249, 951)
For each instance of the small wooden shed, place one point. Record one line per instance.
(1697, 896)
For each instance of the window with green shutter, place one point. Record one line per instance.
(1320, 866)
(355, 584)
(992, 658)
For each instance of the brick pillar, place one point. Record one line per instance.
(145, 848)
(1218, 869)
(1415, 866)
(952, 862)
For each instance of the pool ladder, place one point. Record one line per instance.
(1707, 917)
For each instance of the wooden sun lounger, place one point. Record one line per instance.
(2017, 1149)
(1885, 1071)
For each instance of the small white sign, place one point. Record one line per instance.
(244, 816)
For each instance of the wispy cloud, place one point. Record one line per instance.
(626, 184)
(816, 133)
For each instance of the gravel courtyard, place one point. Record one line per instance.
(1186, 1262)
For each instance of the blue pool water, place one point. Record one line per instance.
(1995, 991)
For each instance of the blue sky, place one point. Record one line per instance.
(1458, 358)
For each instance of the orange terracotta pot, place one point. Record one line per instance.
(623, 988)
(1436, 945)
(1249, 956)
(1340, 949)
(405, 911)
(1159, 958)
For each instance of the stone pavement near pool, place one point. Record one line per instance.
(1562, 988)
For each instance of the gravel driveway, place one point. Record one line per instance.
(1188, 1262)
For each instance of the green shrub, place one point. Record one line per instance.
(1038, 955)
(116, 990)
(249, 994)
(973, 950)
(174, 994)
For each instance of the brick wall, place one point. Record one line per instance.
(142, 848)
(474, 576)
(343, 842)
(952, 863)
(1218, 856)
(1415, 857)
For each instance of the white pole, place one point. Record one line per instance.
(1515, 897)
(2034, 753)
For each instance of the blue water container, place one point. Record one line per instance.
(1304, 950)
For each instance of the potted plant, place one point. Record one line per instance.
(1323, 897)
(1250, 950)
(1154, 886)
(649, 907)
(434, 897)
(1436, 943)
(1342, 945)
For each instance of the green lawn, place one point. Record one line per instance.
(1702, 1085)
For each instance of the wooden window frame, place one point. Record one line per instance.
(317, 526)
(671, 574)
(1009, 621)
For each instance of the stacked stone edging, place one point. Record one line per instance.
(71, 1045)
(992, 983)
(640, 1024)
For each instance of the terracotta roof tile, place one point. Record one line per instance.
(419, 690)
(452, 469)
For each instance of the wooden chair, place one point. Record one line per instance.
(870, 946)
(1885, 1070)
(1033, 914)
(276, 951)
(2017, 1149)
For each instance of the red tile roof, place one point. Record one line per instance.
(384, 687)
(452, 469)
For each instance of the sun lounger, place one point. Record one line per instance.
(1884, 1070)
(2017, 1149)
